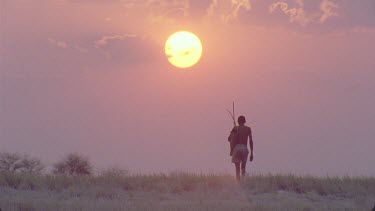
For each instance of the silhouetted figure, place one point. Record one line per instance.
(239, 151)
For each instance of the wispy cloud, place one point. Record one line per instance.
(105, 40)
(58, 43)
(328, 8)
(169, 7)
(108, 38)
(298, 14)
(81, 49)
(227, 10)
(65, 45)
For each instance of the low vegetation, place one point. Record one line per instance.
(183, 191)
(14, 162)
(118, 189)
(73, 164)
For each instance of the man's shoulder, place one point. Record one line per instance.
(243, 128)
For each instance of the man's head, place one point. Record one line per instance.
(241, 120)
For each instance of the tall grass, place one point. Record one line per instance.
(185, 182)
(21, 191)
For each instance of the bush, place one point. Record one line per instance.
(14, 162)
(73, 165)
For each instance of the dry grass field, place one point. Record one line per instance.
(184, 191)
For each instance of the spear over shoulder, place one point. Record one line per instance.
(233, 134)
(232, 115)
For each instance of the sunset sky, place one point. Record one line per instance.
(91, 76)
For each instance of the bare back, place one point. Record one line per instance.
(243, 132)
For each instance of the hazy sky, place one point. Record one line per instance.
(91, 76)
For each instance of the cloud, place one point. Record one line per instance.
(227, 10)
(328, 9)
(65, 45)
(58, 43)
(81, 49)
(169, 8)
(298, 14)
(106, 39)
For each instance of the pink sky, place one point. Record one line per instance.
(90, 76)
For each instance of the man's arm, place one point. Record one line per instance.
(251, 146)
(230, 135)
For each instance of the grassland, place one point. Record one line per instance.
(184, 191)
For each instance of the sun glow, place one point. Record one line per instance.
(183, 49)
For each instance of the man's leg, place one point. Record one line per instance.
(237, 171)
(243, 162)
(243, 168)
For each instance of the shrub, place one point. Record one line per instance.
(73, 165)
(14, 162)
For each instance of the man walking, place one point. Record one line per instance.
(239, 136)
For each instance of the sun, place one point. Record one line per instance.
(183, 49)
